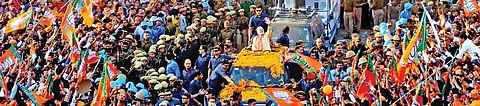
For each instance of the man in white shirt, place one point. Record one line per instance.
(261, 42)
(466, 45)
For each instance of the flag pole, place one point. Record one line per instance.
(96, 66)
(432, 25)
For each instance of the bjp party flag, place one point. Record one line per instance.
(19, 22)
(84, 7)
(47, 18)
(470, 6)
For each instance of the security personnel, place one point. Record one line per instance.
(416, 8)
(242, 25)
(348, 15)
(226, 33)
(377, 8)
(393, 12)
(211, 30)
(204, 37)
(357, 11)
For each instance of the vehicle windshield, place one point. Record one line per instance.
(322, 5)
(296, 33)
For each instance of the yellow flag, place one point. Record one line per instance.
(19, 22)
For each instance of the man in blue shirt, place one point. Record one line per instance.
(139, 30)
(183, 21)
(196, 87)
(178, 89)
(260, 19)
(187, 73)
(284, 40)
(202, 61)
(214, 60)
(157, 29)
(219, 76)
(172, 66)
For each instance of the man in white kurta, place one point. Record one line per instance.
(261, 42)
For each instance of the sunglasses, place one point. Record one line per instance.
(258, 10)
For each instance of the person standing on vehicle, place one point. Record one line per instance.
(347, 15)
(260, 19)
(284, 40)
(378, 12)
(357, 10)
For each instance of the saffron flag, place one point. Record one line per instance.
(57, 14)
(75, 55)
(418, 97)
(112, 70)
(354, 62)
(106, 87)
(49, 83)
(442, 21)
(82, 67)
(96, 101)
(48, 18)
(469, 6)
(371, 72)
(7, 59)
(414, 45)
(363, 89)
(68, 24)
(87, 13)
(40, 99)
(19, 22)
(14, 51)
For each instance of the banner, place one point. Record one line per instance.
(283, 97)
(470, 6)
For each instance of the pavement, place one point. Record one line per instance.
(343, 35)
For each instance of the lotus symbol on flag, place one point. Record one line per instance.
(17, 23)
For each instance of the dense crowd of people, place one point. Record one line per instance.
(179, 52)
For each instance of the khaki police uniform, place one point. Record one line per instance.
(242, 25)
(378, 12)
(348, 15)
(358, 11)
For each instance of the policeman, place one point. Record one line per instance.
(378, 12)
(348, 16)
